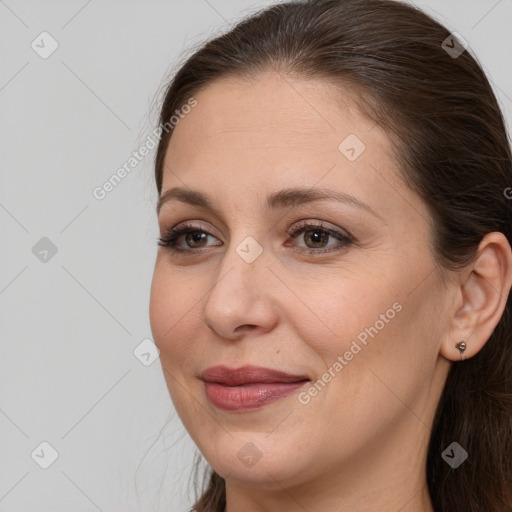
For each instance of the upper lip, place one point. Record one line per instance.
(248, 374)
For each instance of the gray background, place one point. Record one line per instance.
(70, 324)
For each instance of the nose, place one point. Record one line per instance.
(241, 299)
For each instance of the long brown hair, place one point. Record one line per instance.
(451, 143)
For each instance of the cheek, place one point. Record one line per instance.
(159, 306)
(340, 310)
(171, 310)
(354, 330)
(379, 359)
(173, 319)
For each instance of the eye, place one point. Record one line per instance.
(316, 238)
(193, 236)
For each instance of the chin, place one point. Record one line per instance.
(260, 462)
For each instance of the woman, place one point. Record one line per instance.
(331, 291)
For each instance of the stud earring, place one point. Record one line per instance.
(461, 347)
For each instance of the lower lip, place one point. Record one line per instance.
(249, 396)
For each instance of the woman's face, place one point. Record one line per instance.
(333, 284)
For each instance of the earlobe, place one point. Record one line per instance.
(482, 297)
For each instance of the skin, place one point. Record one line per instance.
(360, 443)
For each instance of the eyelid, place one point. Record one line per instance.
(326, 226)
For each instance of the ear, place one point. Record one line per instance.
(481, 297)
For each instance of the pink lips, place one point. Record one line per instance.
(249, 387)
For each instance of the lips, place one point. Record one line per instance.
(248, 375)
(248, 387)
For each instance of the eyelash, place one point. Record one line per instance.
(169, 240)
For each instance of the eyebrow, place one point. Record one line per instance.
(289, 197)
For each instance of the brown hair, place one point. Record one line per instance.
(452, 148)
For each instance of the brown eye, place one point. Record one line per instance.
(317, 237)
(195, 239)
(186, 238)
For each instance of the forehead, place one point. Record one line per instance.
(272, 128)
(277, 129)
(271, 111)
